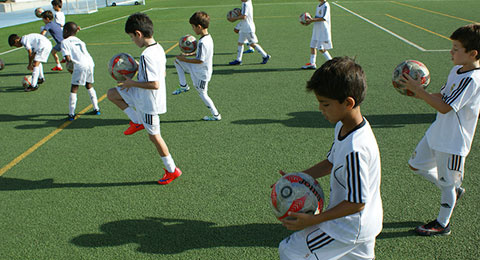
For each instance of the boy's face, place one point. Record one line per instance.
(331, 109)
(56, 8)
(459, 54)
(46, 20)
(197, 29)
(17, 43)
(137, 38)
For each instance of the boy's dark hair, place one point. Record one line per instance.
(69, 29)
(47, 15)
(12, 38)
(469, 36)
(200, 18)
(57, 3)
(139, 22)
(339, 79)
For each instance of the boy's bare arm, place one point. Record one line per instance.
(434, 100)
(145, 85)
(320, 169)
(187, 60)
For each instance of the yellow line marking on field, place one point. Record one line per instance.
(434, 12)
(32, 149)
(419, 27)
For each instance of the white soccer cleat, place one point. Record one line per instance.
(181, 90)
(213, 118)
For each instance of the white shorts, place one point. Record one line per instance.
(314, 244)
(42, 54)
(450, 167)
(320, 45)
(200, 85)
(249, 37)
(82, 75)
(151, 122)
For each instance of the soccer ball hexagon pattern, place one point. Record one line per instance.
(188, 43)
(416, 70)
(122, 65)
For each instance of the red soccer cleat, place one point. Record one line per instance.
(56, 68)
(63, 60)
(169, 176)
(133, 128)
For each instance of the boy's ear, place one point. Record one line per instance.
(474, 54)
(350, 102)
(138, 33)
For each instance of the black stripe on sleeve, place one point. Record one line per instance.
(354, 189)
(461, 87)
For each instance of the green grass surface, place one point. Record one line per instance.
(89, 192)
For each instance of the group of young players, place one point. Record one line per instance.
(347, 228)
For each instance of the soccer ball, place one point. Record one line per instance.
(69, 66)
(233, 13)
(188, 43)
(122, 65)
(416, 70)
(2, 65)
(304, 17)
(27, 81)
(296, 192)
(38, 12)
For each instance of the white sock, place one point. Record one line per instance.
(260, 50)
(313, 58)
(181, 74)
(35, 74)
(431, 176)
(209, 103)
(240, 52)
(73, 103)
(327, 55)
(41, 76)
(169, 163)
(132, 114)
(447, 203)
(59, 65)
(93, 98)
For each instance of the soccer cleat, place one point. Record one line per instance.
(71, 117)
(56, 68)
(63, 60)
(235, 62)
(433, 228)
(460, 191)
(309, 66)
(169, 176)
(40, 81)
(96, 112)
(250, 50)
(30, 88)
(213, 118)
(133, 128)
(181, 90)
(265, 59)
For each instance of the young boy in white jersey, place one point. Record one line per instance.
(38, 48)
(321, 34)
(148, 94)
(247, 33)
(74, 50)
(56, 32)
(200, 67)
(440, 155)
(347, 228)
(59, 15)
(249, 48)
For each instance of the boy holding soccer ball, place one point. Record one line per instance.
(200, 67)
(148, 94)
(348, 227)
(440, 155)
(321, 34)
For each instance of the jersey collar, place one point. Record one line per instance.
(341, 138)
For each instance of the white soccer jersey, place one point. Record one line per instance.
(322, 30)
(77, 50)
(453, 132)
(59, 18)
(247, 25)
(151, 68)
(355, 178)
(35, 42)
(204, 70)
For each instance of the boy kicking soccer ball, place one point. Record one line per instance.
(148, 94)
(348, 227)
(38, 48)
(440, 155)
(321, 34)
(247, 33)
(74, 50)
(201, 67)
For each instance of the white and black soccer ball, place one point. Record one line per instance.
(38, 12)
(416, 70)
(188, 43)
(304, 17)
(27, 81)
(122, 65)
(234, 13)
(296, 192)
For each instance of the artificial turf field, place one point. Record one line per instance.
(83, 190)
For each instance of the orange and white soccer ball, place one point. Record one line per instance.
(416, 70)
(121, 65)
(296, 192)
(234, 13)
(188, 43)
(27, 81)
(38, 12)
(304, 17)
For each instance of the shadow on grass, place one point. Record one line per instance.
(390, 230)
(12, 184)
(314, 119)
(41, 121)
(173, 236)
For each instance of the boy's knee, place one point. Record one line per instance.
(112, 94)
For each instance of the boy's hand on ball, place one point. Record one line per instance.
(410, 83)
(128, 83)
(300, 222)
